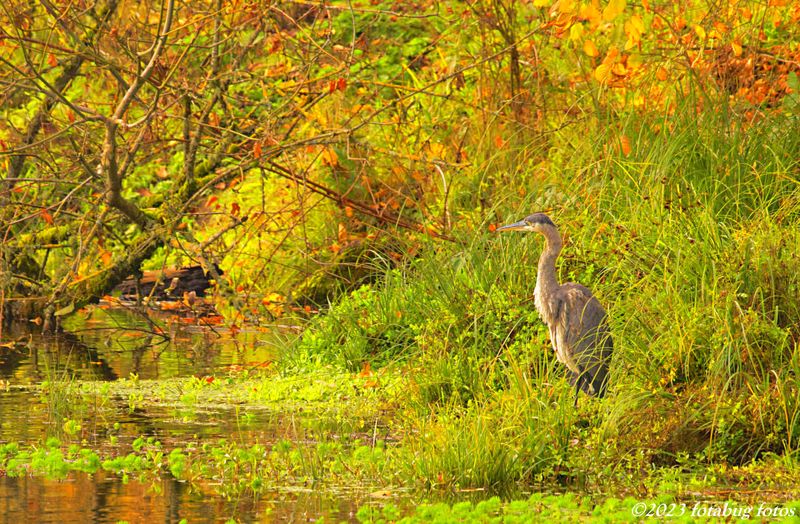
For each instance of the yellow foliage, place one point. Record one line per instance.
(576, 32)
(591, 13)
(590, 49)
(602, 73)
(565, 7)
(634, 28)
(437, 150)
(613, 9)
(699, 31)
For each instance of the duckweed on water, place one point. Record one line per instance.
(232, 468)
(331, 430)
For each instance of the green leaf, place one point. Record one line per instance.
(66, 310)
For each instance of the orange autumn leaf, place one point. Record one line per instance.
(366, 370)
(611, 56)
(348, 211)
(329, 157)
(342, 235)
(52, 61)
(625, 145)
(499, 142)
(619, 69)
(492, 228)
(590, 49)
(661, 74)
(257, 150)
(47, 217)
(737, 49)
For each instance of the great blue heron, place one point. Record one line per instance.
(578, 323)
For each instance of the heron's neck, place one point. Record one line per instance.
(546, 281)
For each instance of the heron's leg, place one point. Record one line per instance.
(581, 382)
(578, 379)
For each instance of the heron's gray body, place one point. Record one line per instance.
(577, 322)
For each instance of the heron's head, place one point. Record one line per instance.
(536, 222)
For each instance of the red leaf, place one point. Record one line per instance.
(341, 84)
(366, 370)
(51, 60)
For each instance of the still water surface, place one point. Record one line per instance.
(111, 344)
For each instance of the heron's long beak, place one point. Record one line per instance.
(516, 226)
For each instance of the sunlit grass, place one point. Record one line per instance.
(690, 241)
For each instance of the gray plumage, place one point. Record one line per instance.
(578, 323)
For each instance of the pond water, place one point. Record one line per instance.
(105, 498)
(108, 345)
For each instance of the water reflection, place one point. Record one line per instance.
(107, 344)
(102, 498)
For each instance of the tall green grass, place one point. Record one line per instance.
(691, 242)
